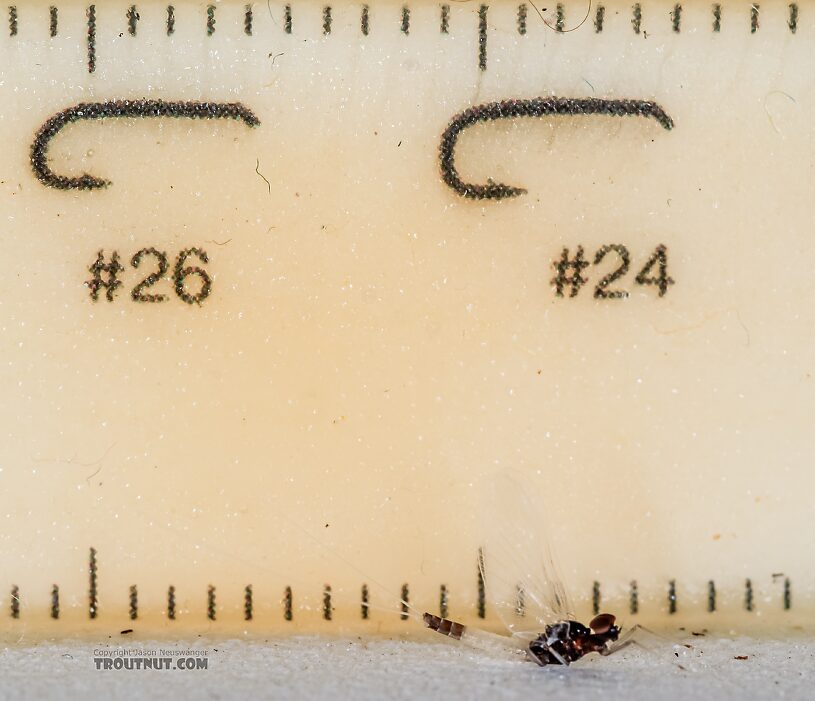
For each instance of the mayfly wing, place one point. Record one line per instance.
(520, 576)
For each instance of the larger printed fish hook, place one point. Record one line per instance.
(536, 107)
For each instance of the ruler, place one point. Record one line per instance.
(285, 283)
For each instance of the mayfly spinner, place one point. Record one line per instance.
(524, 587)
(562, 643)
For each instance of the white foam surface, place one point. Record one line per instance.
(361, 669)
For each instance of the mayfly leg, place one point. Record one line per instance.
(649, 642)
(636, 635)
(474, 637)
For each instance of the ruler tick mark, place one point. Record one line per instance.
(636, 18)
(327, 607)
(248, 605)
(672, 596)
(327, 20)
(599, 18)
(754, 10)
(171, 602)
(91, 13)
(54, 18)
(792, 23)
(288, 609)
(132, 20)
(445, 19)
(405, 26)
(55, 602)
(595, 597)
(560, 17)
(210, 20)
(15, 601)
(287, 19)
(481, 586)
(365, 21)
(12, 20)
(482, 37)
(170, 20)
(444, 601)
(676, 18)
(522, 14)
(634, 598)
(711, 596)
(248, 21)
(211, 602)
(93, 569)
(364, 608)
(134, 603)
(717, 17)
(405, 602)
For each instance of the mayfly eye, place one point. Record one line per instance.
(602, 623)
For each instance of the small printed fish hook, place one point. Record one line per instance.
(121, 109)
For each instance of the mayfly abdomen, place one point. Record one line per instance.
(498, 645)
(445, 626)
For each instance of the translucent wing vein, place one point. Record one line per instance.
(521, 579)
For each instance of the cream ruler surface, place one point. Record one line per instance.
(283, 284)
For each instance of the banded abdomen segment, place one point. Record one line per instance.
(444, 626)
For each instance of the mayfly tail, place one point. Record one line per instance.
(406, 607)
(398, 610)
